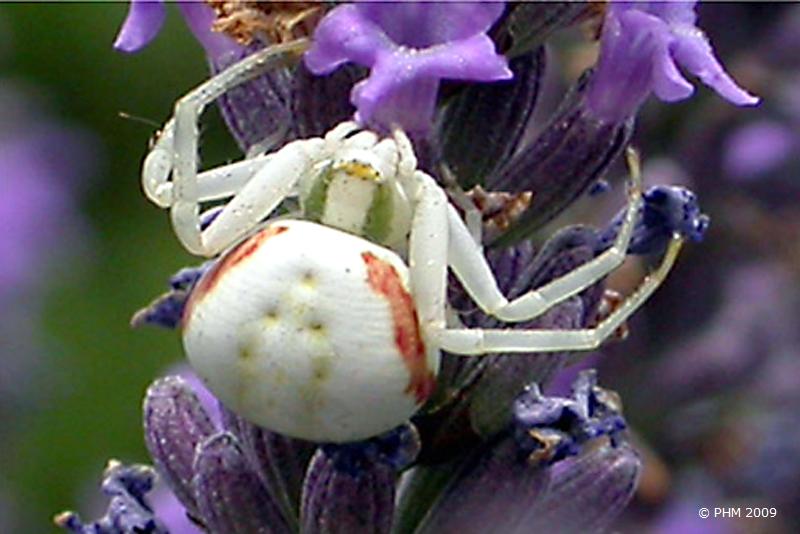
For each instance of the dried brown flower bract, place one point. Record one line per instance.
(269, 22)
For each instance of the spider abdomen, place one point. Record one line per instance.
(310, 332)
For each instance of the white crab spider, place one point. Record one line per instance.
(328, 325)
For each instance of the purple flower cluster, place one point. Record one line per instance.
(489, 450)
(231, 476)
(410, 47)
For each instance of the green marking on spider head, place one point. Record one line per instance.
(379, 217)
(314, 204)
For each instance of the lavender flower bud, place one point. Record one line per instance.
(174, 424)
(494, 488)
(350, 487)
(586, 493)
(667, 210)
(259, 111)
(492, 117)
(279, 461)
(229, 495)
(550, 429)
(167, 309)
(498, 482)
(128, 511)
(321, 102)
(571, 154)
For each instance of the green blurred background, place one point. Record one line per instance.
(88, 399)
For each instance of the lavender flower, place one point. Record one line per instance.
(128, 509)
(409, 47)
(643, 44)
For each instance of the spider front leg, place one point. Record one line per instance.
(479, 341)
(472, 269)
(175, 150)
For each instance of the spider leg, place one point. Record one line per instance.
(159, 163)
(258, 197)
(175, 151)
(224, 181)
(472, 215)
(480, 341)
(427, 251)
(470, 266)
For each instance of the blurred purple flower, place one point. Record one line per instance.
(642, 45)
(409, 47)
(146, 17)
(37, 186)
(758, 148)
(40, 226)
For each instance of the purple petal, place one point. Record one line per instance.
(668, 83)
(424, 24)
(144, 21)
(172, 513)
(342, 36)
(694, 52)
(642, 46)
(402, 85)
(381, 101)
(673, 12)
(473, 59)
(397, 42)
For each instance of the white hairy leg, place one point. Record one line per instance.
(477, 341)
(468, 262)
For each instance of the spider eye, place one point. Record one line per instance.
(358, 169)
